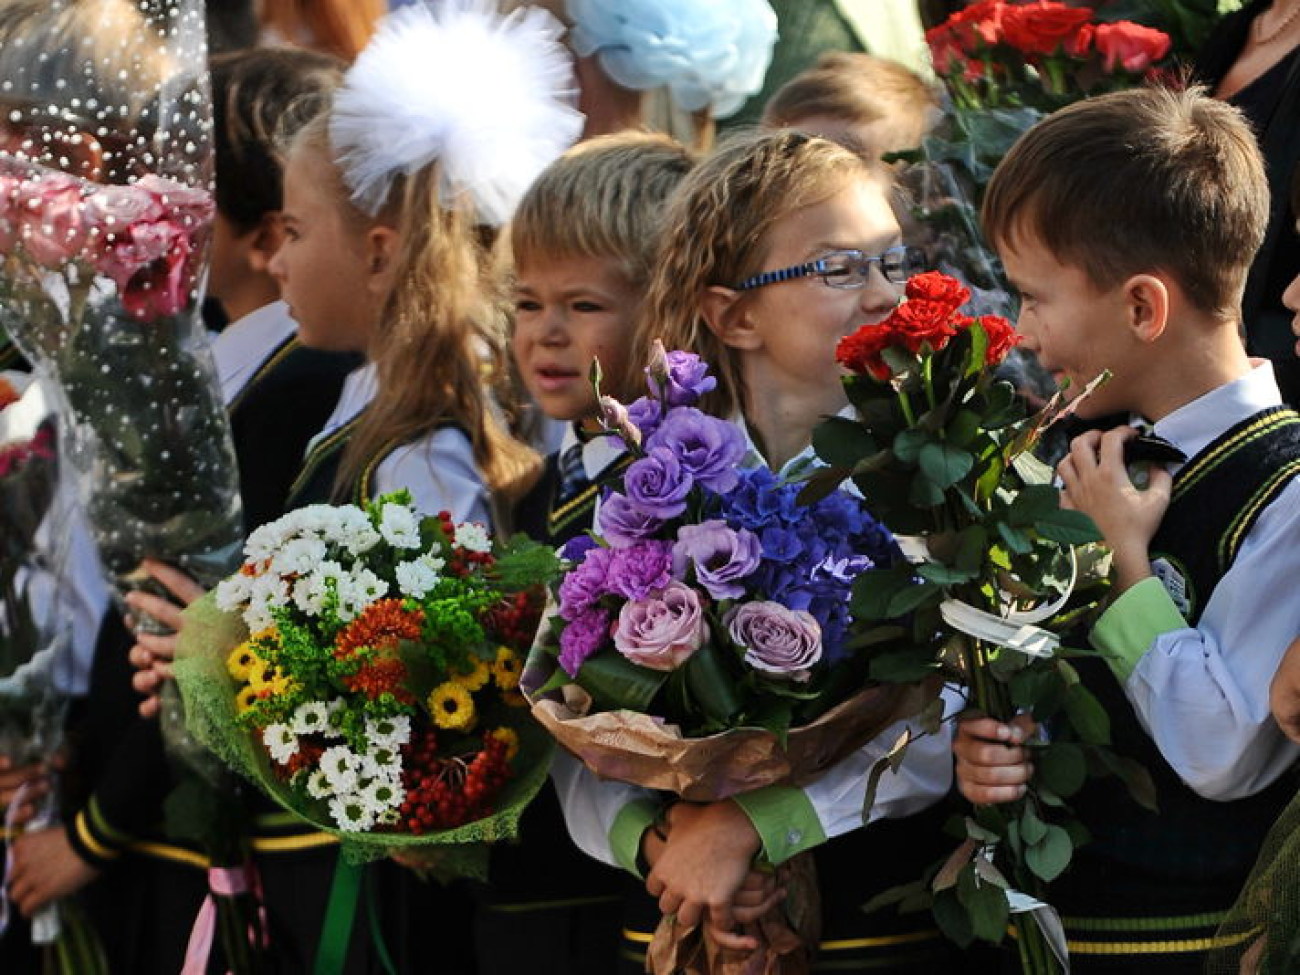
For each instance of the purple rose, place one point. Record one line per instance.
(645, 414)
(583, 637)
(661, 633)
(687, 379)
(656, 483)
(723, 557)
(709, 449)
(778, 641)
(638, 571)
(584, 584)
(623, 523)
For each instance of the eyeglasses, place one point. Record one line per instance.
(847, 270)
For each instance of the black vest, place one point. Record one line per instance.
(540, 515)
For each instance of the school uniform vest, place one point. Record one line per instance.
(542, 516)
(1163, 880)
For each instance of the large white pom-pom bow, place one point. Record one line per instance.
(710, 53)
(490, 97)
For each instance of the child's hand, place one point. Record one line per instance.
(1097, 483)
(45, 868)
(36, 779)
(1284, 693)
(992, 764)
(153, 652)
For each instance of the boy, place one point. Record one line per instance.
(1128, 223)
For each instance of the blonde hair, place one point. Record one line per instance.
(1137, 181)
(716, 233)
(603, 198)
(438, 353)
(338, 27)
(860, 90)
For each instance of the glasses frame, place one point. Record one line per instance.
(896, 263)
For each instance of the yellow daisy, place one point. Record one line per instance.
(260, 674)
(479, 673)
(241, 660)
(245, 699)
(510, 737)
(452, 707)
(506, 669)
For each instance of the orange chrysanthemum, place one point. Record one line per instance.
(380, 626)
(386, 675)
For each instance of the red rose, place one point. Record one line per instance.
(946, 52)
(1043, 27)
(1002, 338)
(861, 351)
(1130, 46)
(919, 321)
(939, 288)
(1081, 44)
(979, 25)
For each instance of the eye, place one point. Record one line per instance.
(527, 305)
(588, 307)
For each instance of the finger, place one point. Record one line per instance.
(139, 657)
(689, 914)
(149, 707)
(733, 940)
(174, 581)
(161, 645)
(164, 611)
(145, 682)
(654, 885)
(163, 670)
(1160, 481)
(994, 775)
(1110, 455)
(989, 729)
(669, 902)
(1086, 443)
(983, 796)
(751, 913)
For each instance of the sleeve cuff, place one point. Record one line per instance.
(1128, 627)
(785, 820)
(93, 839)
(625, 834)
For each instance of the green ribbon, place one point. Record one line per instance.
(340, 911)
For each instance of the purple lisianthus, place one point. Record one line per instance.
(584, 584)
(645, 413)
(623, 523)
(687, 379)
(577, 546)
(778, 641)
(638, 571)
(709, 449)
(582, 637)
(656, 483)
(661, 633)
(723, 557)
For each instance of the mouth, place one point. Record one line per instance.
(552, 378)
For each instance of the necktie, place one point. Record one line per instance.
(573, 476)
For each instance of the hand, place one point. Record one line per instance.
(703, 867)
(37, 781)
(1096, 482)
(1284, 693)
(45, 868)
(153, 652)
(992, 763)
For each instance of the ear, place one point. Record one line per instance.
(266, 239)
(727, 315)
(381, 244)
(1147, 300)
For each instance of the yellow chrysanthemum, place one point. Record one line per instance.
(245, 699)
(479, 673)
(506, 669)
(452, 707)
(241, 660)
(511, 739)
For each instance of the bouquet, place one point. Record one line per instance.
(362, 668)
(700, 642)
(942, 449)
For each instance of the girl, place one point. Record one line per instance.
(773, 250)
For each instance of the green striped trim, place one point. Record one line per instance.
(322, 452)
(365, 483)
(282, 352)
(1240, 526)
(585, 500)
(1210, 919)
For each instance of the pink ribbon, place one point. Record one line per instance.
(222, 882)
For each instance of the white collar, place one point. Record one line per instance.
(241, 348)
(598, 452)
(1195, 425)
(796, 464)
(358, 390)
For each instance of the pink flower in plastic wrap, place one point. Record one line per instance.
(8, 213)
(661, 633)
(51, 218)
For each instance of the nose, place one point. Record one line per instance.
(1291, 298)
(275, 266)
(552, 327)
(879, 296)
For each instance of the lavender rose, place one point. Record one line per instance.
(657, 484)
(623, 523)
(583, 637)
(661, 633)
(778, 641)
(723, 557)
(638, 571)
(709, 449)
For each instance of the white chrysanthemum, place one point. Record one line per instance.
(352, 530)
(256, 619)
(268, 592)
(351, 813)
(280, 741)
(473, 537)
(298, 556)
(311, 718)
(390, 817)
(233, 592)
(390, 732)
(358, 590)
(334, 713)
(314, 520)
(318, 785)
(381, 794)
(381, 762)
(399, 526)
(340, 766)
(416, 578)
(265, 541)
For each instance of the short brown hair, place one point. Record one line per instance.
(603, 198)
(862, 90)
(1140, 180)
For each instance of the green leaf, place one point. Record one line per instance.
(1033, 503)
(1015, 539)
(979, 344)
(1032, 470)
(1049, 857)
(1067, 528)
(889, 762)
(914, 595)
(842, 442)
(945, 464)
(1032, 829)
(712, 684)
(822, 483)
(902, 666)
(1134, 775)
(924, 493)
(945, 575)
(909, 443)
(986, 905)
(971, 544)
(875, 589)
(615, 682)
(963, 428)
(1087, 716)
(1040, 689)
(953, 918)
(1061, 767)
(899, 895)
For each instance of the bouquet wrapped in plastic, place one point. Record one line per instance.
(105, 165)
(700, 643)
(362, 668)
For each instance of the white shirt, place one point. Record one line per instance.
(438, 469)
(244, 345)
(1202, 694)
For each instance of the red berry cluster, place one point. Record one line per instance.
(307, 756)
(459, 561)
(514, 620)
(442, 793)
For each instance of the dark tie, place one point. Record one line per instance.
(573, 477)
(1156, 450)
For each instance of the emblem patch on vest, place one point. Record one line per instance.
(1175, 584)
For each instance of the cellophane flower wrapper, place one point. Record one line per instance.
(351, 635)
(105, 213)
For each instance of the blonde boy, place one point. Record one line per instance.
(1127, 223)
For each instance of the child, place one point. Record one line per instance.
(868, 104)
(581, 243)
(1128, 223)
(765, 203)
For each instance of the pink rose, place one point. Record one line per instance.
(776, 640)
(1130, 46)
(8, 213)
(661, 633)
(51, 218)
